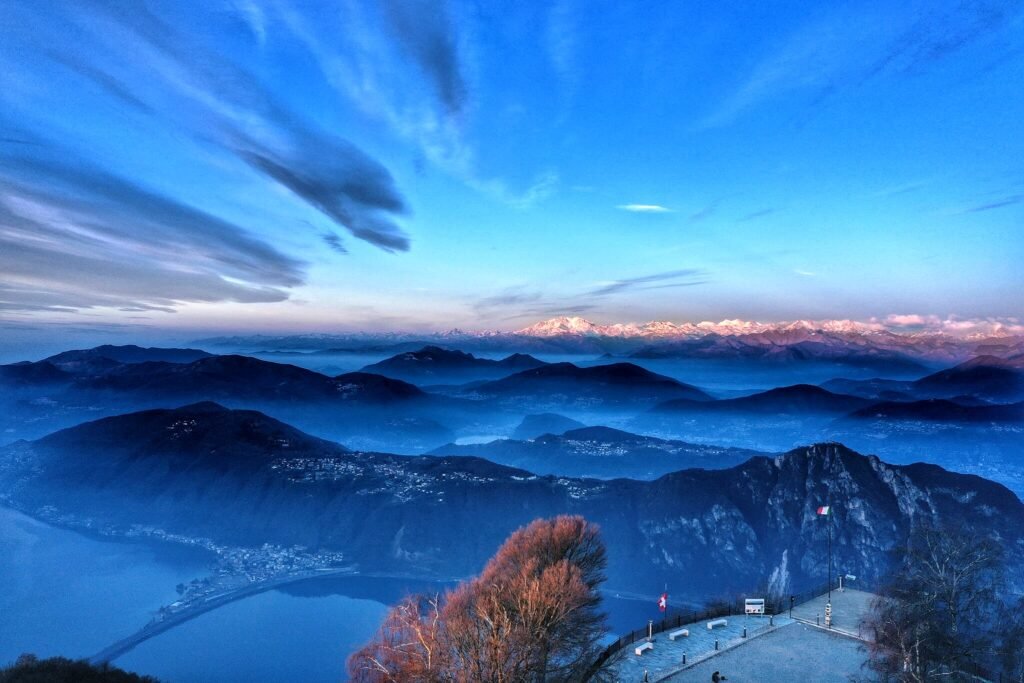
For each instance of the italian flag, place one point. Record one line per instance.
(824, 510)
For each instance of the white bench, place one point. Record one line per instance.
(681, 633)
(717, 622)
(644, 648)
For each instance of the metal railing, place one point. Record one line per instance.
(670, 621)
(726, 608)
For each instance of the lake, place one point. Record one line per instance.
(69, 594)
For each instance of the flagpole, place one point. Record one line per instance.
(829, 515)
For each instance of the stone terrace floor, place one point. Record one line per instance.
(850, 609)
(796, 652)
(667, 655)
(788, 651)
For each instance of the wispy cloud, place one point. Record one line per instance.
(368, 69)
(804, 273)
(686, 277)
(756, 214)
(644, 208)
(704, 212)
(179, 81)
(508, 297)
(951, 324)
(73, 236)
(513, 303)
(335, 242)
(998, 204)
(901, 188)
(850, 45)
(561, 39)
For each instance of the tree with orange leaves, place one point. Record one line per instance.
(532, 616)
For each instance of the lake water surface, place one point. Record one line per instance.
(68, 594)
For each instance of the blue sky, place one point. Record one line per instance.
(249, 165)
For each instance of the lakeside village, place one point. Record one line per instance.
(233, 567)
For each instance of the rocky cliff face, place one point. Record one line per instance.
(242, 478)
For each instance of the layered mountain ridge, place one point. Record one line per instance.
(243, 478)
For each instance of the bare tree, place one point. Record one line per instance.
(532, 616)
(942, 615)
(407, 647)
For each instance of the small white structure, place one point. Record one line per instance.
(681, 633)
(717, 622)
(644, 648)
(754, 606)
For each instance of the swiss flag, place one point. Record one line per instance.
(663, 602)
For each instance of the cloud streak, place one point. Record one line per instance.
(850, 46)
(998, 204)
(74, 237)
(689, 277)
(171, 76)
(644, 208)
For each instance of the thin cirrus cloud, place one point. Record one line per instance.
(686, 277)
(998, 204)
(851, 45)
(644, 208)
(518, 302)
(427, 106)
(754, 215)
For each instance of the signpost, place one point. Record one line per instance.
(754, 606)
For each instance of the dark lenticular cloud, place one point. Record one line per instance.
(338, 180)
(424, 31)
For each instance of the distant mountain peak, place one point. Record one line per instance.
(561, 325)
(202, 407)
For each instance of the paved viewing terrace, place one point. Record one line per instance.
(850, 609)
(667, 655)
(777, 649)
(795, 652)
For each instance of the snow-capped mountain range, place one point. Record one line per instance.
(574, 325)
(872, 343)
